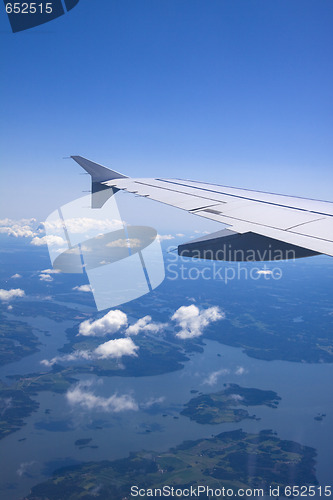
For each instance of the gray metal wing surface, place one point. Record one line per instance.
(254, 218)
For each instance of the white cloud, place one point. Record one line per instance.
(50, 240)
(7, 295)
(80, 396)
(116, 348)
(180, 235)
(10, 308)
(264, 271)
(144, 324)
(23, 468)
(192, 321)
(79, 225)
(45, 277)
(236, 397)
(23, 228)
(82, 288)
(16, 276)
(51, 271)
(162, 237)
(240, 370)
(213, 377)
(125, 243)
(110, 323)
(152, 402)
(75, 356)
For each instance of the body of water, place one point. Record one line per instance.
(47, 441)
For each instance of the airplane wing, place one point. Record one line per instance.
(261, 226)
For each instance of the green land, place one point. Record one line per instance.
(17, 340)
(16, 403)
(219, 407)
(222, 461)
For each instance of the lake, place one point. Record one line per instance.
(47, 441)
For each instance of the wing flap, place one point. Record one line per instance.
(295, 221)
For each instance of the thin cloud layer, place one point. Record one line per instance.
(80, 396)
(7, 295)
(24, 466)
(78, 225)
(125, 243)
(240, 370)
(163, 237)
(110, 323)
(214, 376)
(192, 321)
(75, 356)
(152, 402)
(82, 288)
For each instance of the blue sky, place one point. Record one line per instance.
(236, 92)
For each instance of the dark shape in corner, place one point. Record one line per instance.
(22, 17)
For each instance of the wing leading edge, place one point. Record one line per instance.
(261, 226)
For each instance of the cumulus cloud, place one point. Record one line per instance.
(16, 276)
(110, 323)
(116, 348)
(50, 240)
(7, 295)
(23, 228)
(45, 277)
(144, 324)
(51, 271)
(213, 377)
(82, 288)
(79, 395)
(192, 321)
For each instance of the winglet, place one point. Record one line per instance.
(98, 172)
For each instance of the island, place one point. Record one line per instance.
(16, 403)
(219, 407)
